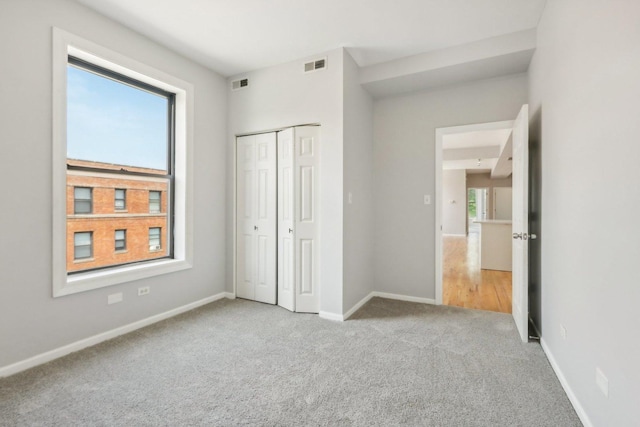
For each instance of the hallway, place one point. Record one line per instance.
(464, 284)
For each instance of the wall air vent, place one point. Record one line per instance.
(239, 84)
(318, 64)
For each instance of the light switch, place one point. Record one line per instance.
(350, 198)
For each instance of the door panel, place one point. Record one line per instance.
(245, 287)
(307, 162)
(256, 213)
(266, 217)
(520, 203)
(286, 232)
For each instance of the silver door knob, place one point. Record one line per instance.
(290, 231)
(517, 236)
(255, 227)
(533, 236)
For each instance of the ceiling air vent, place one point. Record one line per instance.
(318, 64)
(239, 84)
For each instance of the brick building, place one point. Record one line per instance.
(114, 219)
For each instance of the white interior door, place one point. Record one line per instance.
(306, 223)
(286, 213)
(502, 203)
(245, 259)
(256, 218)
(520, 300)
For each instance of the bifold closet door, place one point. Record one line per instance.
(298, 219)
(256, 195)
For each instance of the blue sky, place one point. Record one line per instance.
(114, 123)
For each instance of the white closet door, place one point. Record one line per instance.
(306, 224)
(256, 218)
(286, 236)
(245, 222)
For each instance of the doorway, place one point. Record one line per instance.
(465, 279)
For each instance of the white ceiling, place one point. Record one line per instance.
(466, 150)
(234, 36)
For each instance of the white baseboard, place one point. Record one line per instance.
(358, 305)
(582, 414)
(331, 316)
(404, 297)
(229, 295)
(48, 356)
(454, 235)
(366, 299)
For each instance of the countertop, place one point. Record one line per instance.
(493, 221)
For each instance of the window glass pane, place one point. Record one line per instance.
(119, 234)
(82, 239)
(82, 193)
(154, 201)
(82, 207)
(112, 122)
(154, 238)
(83, 252)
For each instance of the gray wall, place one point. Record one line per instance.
(31, 321)
(358, 180)
(584, 87)
(404, 145)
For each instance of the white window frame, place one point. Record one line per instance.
(65, 44)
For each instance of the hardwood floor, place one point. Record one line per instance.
(464, 284)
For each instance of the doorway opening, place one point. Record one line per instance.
(470, 157)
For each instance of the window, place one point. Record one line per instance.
(154, 201)
(154, 239)
(83, 245)
(118, 124)
(121, 199)
(134, 147)
(121, 240)
(82, 203)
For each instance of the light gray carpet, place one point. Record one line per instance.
(244, 363)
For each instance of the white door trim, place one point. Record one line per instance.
(440, 133)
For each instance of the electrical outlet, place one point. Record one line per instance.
(563, 332)
(427, 199)
(114, 298)
(144, 290)
(602, 382)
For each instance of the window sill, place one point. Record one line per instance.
(121, 251)
(82, 282)
(83, 260)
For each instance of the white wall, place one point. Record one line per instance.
(454, 202)
(358, 180)
(584, 87)
(282, 96)
(404, 145)
(31, 321)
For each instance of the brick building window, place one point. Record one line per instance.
(82, 200)
(155, 239)
(154, 201)
(83, 245)
(121, 240)
(121, 199)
